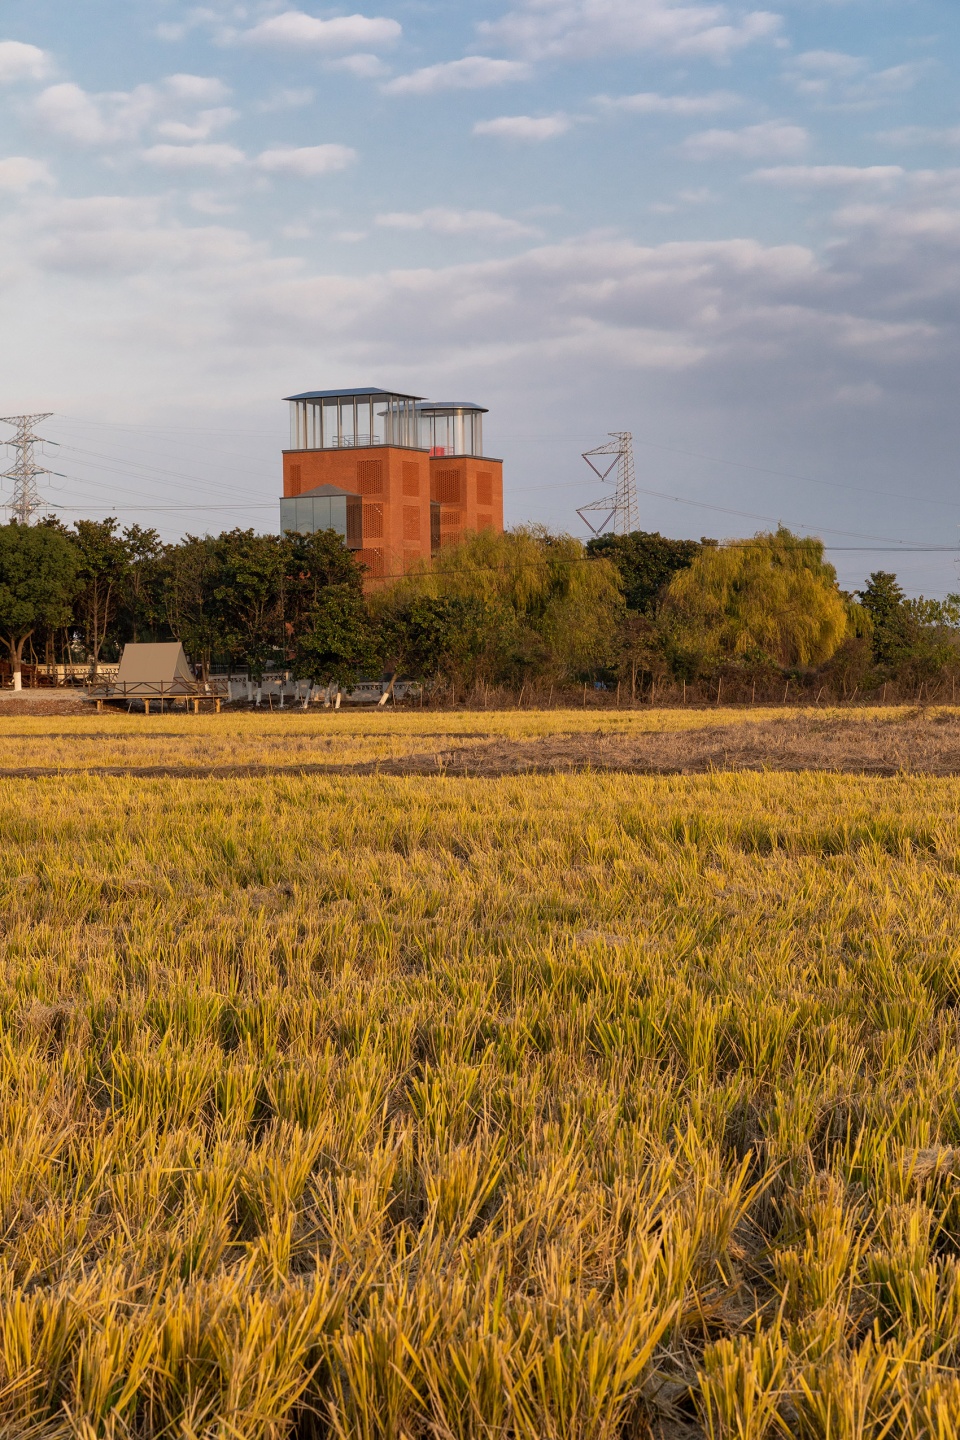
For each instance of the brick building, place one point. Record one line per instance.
(396, 475)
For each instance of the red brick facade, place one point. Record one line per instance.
(397, 486)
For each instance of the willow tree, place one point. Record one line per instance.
(773, 598)
(549, 608)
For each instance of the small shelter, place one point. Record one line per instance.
(155, 672)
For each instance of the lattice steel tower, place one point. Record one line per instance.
(25, 501)
(620, 511)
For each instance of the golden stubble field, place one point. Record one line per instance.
(557, 1106)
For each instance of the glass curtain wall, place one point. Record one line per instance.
(310, 513)
(345, 421)
(453, 431)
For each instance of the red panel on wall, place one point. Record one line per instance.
(411, 478)
(370, 477)
(373, 522)
(449, 487)
(411, 522)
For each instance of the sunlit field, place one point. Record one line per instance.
(319, 736)
(559, 1107)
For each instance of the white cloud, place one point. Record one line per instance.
(648, 103)
(753, 142)
(297, 30)
(684, 199)
(22, 62)
(71, 113)
(838, 81)
(286, 100)
(834, 63)
(21, 172)
(365, 67)
(198, 89)
(306, 161)
(474, 72)
(571, 29)
(922, 135)
(194, 157)
(201, 128)
(439, 221)
(524, 127)
(115, 236)
(829, 177)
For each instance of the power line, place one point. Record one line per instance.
(775, 520)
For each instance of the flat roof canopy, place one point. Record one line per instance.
(361, 390)
(436, 407)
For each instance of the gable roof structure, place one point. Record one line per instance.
(155, 669)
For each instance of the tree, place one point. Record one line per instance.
(105, 559)
(187, 577)
(338, 645)
(549, 609)
(141, 611)
(773, 598)
(310, 564)
(639, 650)
(438, 635)
(884, 601)
(646, 562)
(247, 598)
(38, 580)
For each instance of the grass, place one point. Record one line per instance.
(564, 1107)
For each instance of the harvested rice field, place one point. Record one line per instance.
(480, 1077)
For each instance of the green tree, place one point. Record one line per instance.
(311, 563)
(646, 562)
(442, 635)
(773, 598)
(640, 650)
(247, 598)
(550, 610)
(338, 645)
(105, 558)
(186, 579)
(38, 580)
(140, 612)
(894, 628)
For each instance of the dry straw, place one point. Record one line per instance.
(557, 1108)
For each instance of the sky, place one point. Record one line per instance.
(731, 230)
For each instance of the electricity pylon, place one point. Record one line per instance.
(620, 510)
(25, 501)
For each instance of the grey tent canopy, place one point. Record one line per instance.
(154, 670)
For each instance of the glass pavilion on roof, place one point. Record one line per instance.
(345, 419)
(451, 427)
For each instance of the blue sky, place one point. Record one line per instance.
(732, 229)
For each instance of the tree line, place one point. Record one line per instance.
(523, 608)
